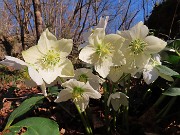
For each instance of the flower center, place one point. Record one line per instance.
(104, 49)
(51, 59)
(77, 92)
(83, 78)
(137, 46)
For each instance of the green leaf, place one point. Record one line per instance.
(53, 90)
(34, 126)
(177, 76)
(173, 59)
(172, 92)
(165, 70)
(23, 108)
(175, 44)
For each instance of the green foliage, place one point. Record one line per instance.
(23, 108)
(172, 92)
(165, 70)
(34, 126)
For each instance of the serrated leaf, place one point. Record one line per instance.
(172, 92)
(23, 108)
(34, 126)
(165, 70)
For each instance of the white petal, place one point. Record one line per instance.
(64, 46)
(91, 92)
(32, 55)
(49, 75)
(35, 76)
(102, 22)
(103, 68)
(72, 83)
(139, 31)
(43, 88)
(45, 41)
(66, 68)
(142, 59)
(115, 74)
(82, 102)
(64, 95)
(87, 54)
(13, 62)
(114, 39)
(155, 44)
(150, 75)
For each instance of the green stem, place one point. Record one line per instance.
(87, 120)
(114, 119)
(88, 129)
(106, 107)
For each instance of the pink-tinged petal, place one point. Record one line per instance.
(155, 45)
(13, 62)
(64, 95)
(35, 76)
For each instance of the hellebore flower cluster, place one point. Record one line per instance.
(112, 56)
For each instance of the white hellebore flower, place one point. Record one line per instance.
(79, 92)
(86, 75)
(150, 73)
(103, 51)
(49, 57)
(32, 77)
(138, 46)
(102, 24)
(117, 99)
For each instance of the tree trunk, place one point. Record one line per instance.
(38, 18)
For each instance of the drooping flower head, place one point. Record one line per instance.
(117, 99)
(138, 46)
(79, 92)
(49, 57)
(103, 51)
